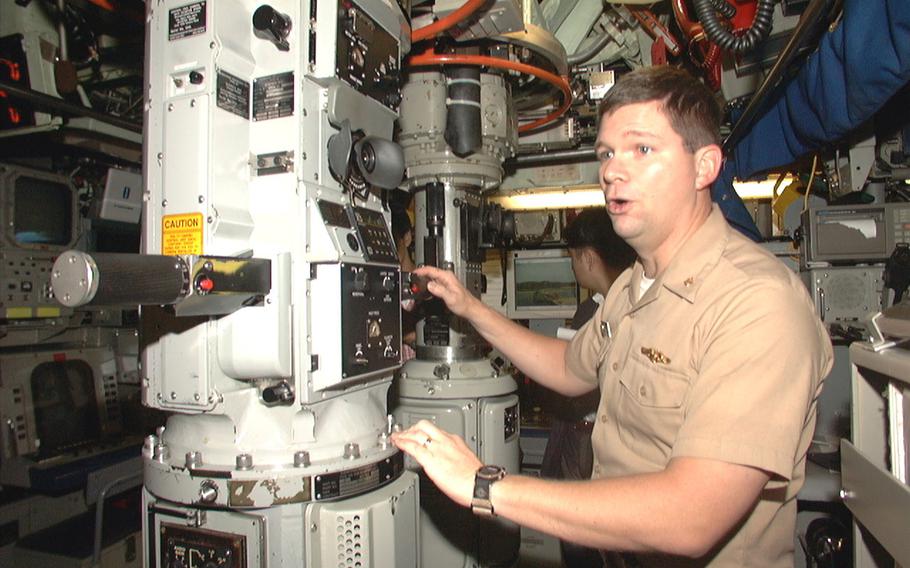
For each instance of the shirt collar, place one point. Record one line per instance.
(691, 265)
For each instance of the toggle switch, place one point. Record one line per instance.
(361, 281)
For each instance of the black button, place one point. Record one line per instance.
(353, 243)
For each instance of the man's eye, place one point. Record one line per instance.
(605, 155)
(644, 149)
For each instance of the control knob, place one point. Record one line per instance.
(270, 24)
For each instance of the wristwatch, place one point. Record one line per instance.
(485, 477)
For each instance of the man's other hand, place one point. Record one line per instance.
(446, 459)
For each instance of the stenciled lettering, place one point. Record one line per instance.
(191, 223)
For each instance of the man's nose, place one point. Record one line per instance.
(611, 171)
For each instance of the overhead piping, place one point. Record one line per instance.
(583, 55)
(555, 156)
(443, 24)
(61, 30)
(47, 102)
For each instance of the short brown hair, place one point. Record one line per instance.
(688, 104)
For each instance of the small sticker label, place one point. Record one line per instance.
(186, 21)
(181, 234)
(273, 96)
(233, 94)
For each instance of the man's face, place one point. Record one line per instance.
(647, 176)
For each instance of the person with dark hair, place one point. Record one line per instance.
(403, 233)
(708, 354)
(599, 256)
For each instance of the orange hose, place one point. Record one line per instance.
(443, 24)
(690, 28)
(105, 4)
(433, 59)
(655, 29)
(712, 66)
(711, 54)
(134, 15)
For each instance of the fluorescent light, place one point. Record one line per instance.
(761, 189)
(591, 195)
(552, 198)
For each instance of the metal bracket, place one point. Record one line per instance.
(273, 163)
(196, 518)
(878, 340)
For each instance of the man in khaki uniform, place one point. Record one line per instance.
(707, 352)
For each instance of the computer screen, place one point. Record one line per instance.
(66, 406)
(541, 284)
(851, 234)
(42, 212)
(58, 407)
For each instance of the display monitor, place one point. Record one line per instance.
(853, 234)
(66, 405)
(39, 209)
(58, 401)
(541, 284)
(62, 418)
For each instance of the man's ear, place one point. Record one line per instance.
(708, 160)
(590, 256)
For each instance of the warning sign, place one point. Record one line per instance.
(181, 234)
(186, 21)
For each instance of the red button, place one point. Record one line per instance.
(206, 284)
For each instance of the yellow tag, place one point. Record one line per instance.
(48, 312)
(181, 234)
(18, 313)
(786, 197)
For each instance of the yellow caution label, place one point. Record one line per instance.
(18, 313)
(47, 312)
(181, 234)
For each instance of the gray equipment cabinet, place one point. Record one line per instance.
(874, 465)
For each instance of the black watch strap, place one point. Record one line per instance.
(484, 479)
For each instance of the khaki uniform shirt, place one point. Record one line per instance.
(722, 358)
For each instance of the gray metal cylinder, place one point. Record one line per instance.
(446, 231)
(423, 123)
(111, 279)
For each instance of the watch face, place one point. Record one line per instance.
(490, 471)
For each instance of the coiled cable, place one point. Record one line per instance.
(761, 26)
(726, 9)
